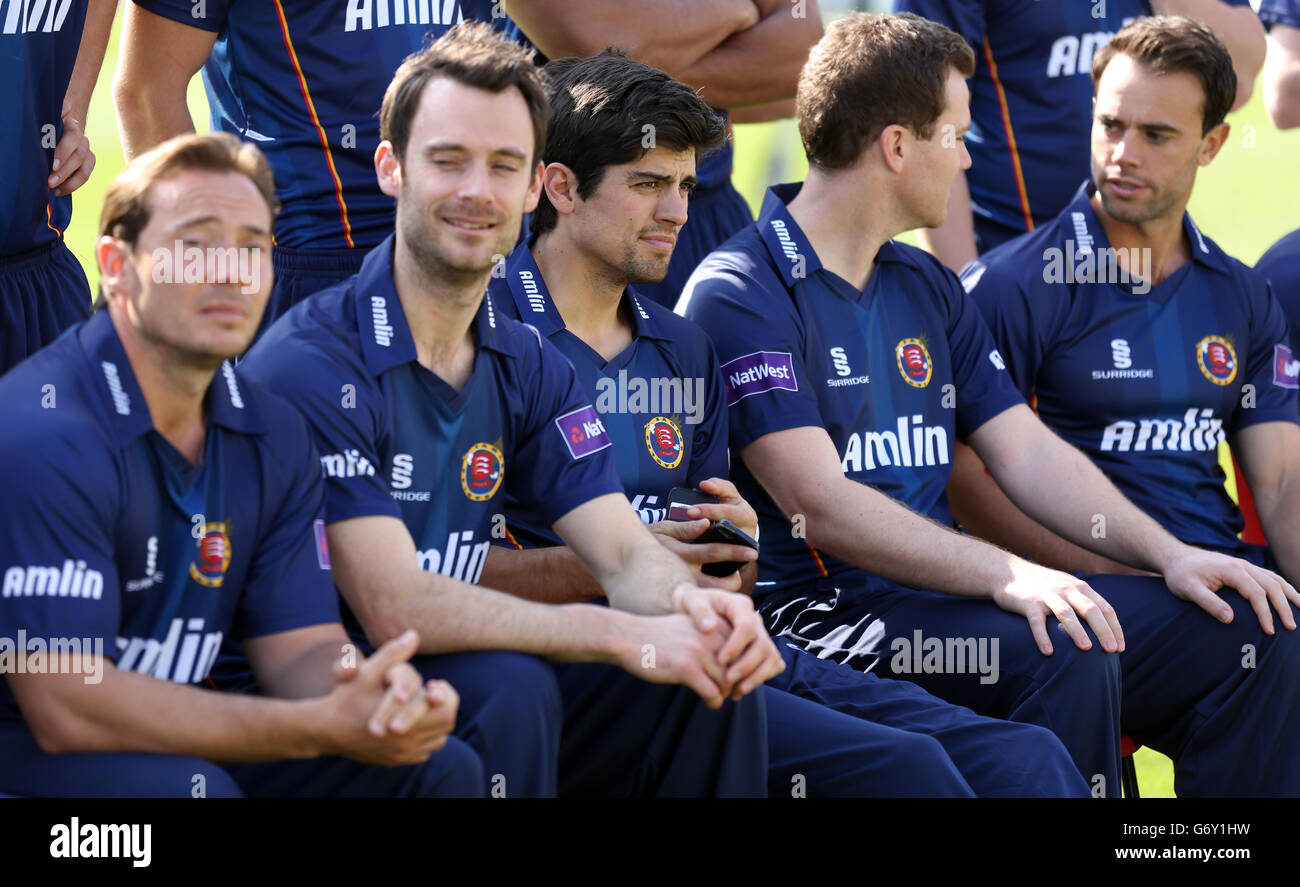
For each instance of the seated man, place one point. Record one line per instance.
(430, 405)
(853, 362)
(164, 503)
(608, 216)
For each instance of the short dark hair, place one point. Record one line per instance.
(601, 108)
(870, 71)
(1167, 44)
(126, 202)
(471, 54)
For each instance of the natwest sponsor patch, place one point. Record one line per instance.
(1286, 367)
(583, 432)
(758, 372)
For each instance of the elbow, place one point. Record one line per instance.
(1245, 89)
(1282, 101)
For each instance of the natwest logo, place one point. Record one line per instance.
(758, 372)
(461, 559)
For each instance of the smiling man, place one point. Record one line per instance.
(430, 406)
(168, 506)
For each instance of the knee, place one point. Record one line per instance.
(930, 771)
(455, 771)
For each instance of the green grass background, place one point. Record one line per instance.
(1245, 200)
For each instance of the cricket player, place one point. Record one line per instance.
(1029, 98)
(855, 364)
(302, 80)
(428, 405)
(743, 56)
(607, 220)
(49, 58)
(161, 505)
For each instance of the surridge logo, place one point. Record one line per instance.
(184, 656)
(461, 559)
(913, 445)
(482, 469)
(228, 372)
(28, 17)
(663, 438)
(70, 580)
(841, 361)
(1121, 356)
(1197, 431)
(365, 15)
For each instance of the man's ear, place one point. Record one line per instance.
(535, 188)
(1212, 142)
(561, 187)
(114, 259)
(893, 143)
(388, 169)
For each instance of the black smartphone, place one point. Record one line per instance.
(724, 531)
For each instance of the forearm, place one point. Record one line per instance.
(668, 34)
(867, 528)
(1238, 27)
(310, 675)
(1083, 506)
(553, 575)
(1277, 509)
(984, 510)
(644, 581)
(953, 242)
(133, 712)
(90, 56)
(151, 106)
(757, 66)
(1282, 77)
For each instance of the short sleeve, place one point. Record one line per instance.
(758, 337)
(1005, 309)
(1271, 368)
(966, 17)
(984, 387)
(58, 517)
(563, 454)
(289, 584)
(209, 15)
(344, 408)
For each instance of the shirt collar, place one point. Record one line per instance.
(1079, 223)
(533, 300)
(226, 403)
(386, 339)
(793, 255)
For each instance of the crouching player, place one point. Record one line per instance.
(429, 405)
(608, 219)
(165, 504)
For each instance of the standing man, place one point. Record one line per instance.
(302, 80)
(165, 505)
(743, 56)
(602, 225)
(429, 406)
(1029, 97)
(49, 64)
(854, 363)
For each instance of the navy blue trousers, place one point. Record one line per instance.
(42, 293)
(856, 735)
